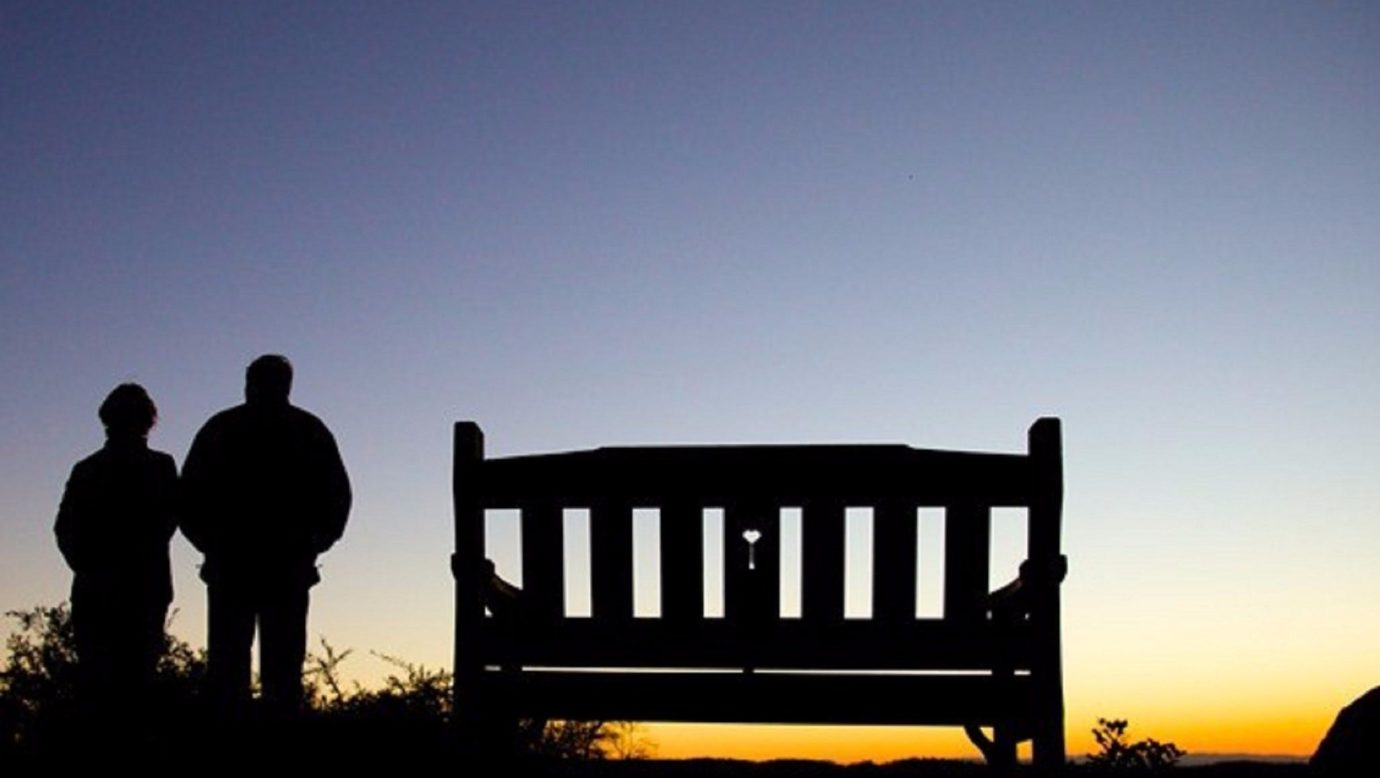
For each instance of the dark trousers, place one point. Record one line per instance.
(118, 637)
(281, 616)
(118, 640)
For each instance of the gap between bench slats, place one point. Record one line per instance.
(763, 697)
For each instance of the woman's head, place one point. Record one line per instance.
(128, 411)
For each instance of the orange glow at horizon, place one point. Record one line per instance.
(1272, 721)
(1266, 735)
(838, 744)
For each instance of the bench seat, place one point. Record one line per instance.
(763, 697)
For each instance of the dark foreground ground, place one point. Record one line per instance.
(341, 747)
(365, 758)
(905, 769)
(346, 760)
(911, 768)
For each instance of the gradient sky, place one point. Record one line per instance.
(584, 224)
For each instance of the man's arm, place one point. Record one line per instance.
(335, 495)
(192, 493)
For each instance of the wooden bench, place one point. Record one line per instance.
(991, 660)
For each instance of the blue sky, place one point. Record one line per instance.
(618, 223)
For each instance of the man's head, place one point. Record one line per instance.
(128, 412)
(268, 380)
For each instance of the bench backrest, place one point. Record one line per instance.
(751, 484)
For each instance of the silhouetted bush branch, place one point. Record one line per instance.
(1142, 756)
(39, 685)
(38, 695)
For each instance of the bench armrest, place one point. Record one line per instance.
(1012, 601)
(503, 599)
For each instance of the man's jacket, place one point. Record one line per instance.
(263, 492)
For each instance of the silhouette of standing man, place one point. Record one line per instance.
(264, 493)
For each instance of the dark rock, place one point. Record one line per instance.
(1350, 745)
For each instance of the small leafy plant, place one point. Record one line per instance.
(1115, 753)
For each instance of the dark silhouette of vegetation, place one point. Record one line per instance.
(1115, 753)
(420, 698)
(39, 683)
(408, 721)
(410, 714)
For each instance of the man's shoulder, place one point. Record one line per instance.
(227, 416)
(304, 415)
(232, 424)
(307, 420)
(215, 435)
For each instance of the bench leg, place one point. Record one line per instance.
(487, 736)
(999, 750)
(1047, 748)
(1047, 735)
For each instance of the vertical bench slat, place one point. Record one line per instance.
(610, 551)
(768, 562)
(543, 560)
(1046, 454)
(466, 566)
(682, 562)
(821, 541)
(1045, 442)
(752, 594)
(894, 564)
(967, 540)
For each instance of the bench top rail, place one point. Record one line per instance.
(785, 475)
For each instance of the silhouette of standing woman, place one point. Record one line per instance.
(113, 527)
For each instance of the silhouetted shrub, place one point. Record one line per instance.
(39, 676)
(1143, 755)
(412, 710)
(38, 681)
(418, 694)
(420, 698)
